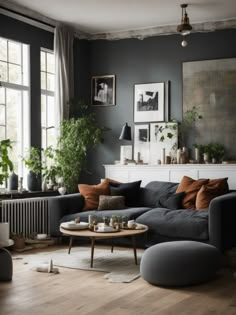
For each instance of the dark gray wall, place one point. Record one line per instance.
(154, 59)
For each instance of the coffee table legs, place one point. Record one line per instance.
(70, 244)
(92, 248)
(134, 247)
(92, 251)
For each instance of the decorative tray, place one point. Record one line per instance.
(74, 226)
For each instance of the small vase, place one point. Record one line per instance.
(62, 190)
(13, 182)
(32, 182)
(44, 185)
(206, 157)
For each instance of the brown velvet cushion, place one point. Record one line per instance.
(111, 202)
(91, 194)
(191, 187)
(214, 188)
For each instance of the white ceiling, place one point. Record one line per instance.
(109, 16)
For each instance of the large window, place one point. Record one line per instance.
(47, 98)
(14, 98)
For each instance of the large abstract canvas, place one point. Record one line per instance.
(210, 85)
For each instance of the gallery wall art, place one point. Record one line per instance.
(149, 102)
(210, 86)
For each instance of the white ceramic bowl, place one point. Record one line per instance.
(41, 236)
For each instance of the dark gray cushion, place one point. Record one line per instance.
(172, 201)
(184, 223)
(150, 195)
(179, 263)
(129, 190)
(130, 213)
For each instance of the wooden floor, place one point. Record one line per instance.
(87, 292)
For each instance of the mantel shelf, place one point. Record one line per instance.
(170, 172)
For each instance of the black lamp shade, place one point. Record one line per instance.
(125, 132)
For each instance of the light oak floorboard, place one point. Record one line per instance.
(88, 293)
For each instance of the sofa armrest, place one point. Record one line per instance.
(61, 205)
(222, 221)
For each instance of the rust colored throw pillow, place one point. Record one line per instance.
(191, 187)
(111, 202)
(91, 194)
(214, 188)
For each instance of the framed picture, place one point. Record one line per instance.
(163, 136)
(103, 90)
(149, 102)
(141, 143)
(209, 88)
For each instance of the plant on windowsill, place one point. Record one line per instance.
(77, 136)
(32, 160)
(6, 164)
(50, 170)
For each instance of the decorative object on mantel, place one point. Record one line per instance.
(163, 136)
(184, 28)
(141, 143)
(125, 150)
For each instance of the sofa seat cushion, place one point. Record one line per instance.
(130, 213)
(186, 224)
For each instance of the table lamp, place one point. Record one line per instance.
(125, 150)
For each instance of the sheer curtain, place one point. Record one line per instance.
(64, 73)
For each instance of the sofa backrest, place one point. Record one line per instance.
(150, 194)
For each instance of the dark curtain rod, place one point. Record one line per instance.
(26, 16)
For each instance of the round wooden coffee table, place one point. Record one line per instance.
(95, 236)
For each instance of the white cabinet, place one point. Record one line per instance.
(170, 172)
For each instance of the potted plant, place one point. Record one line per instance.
(190, 117)
(32, 161)
(77, 136)
(19, 240)
(49, 169)
(6, 164)
(217, 152)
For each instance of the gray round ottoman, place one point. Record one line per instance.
(179, 263)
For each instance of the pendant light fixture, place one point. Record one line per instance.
(184, 28)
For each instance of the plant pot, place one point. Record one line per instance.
(19, 243)
(13, 182)
(62, 190)
(33, 182)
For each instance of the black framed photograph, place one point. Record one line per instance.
(103, 90)
(149, 102)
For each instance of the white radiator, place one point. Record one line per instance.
(27, 216)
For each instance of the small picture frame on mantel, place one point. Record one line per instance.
(103, 90)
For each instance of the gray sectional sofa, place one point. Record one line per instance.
(155, 208)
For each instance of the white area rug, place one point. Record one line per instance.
(119, 265)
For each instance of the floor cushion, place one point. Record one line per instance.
(179, 263)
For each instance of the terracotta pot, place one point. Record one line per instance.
(19, 243)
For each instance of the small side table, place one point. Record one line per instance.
(6, 266)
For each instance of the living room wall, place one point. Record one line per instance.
(154, 59)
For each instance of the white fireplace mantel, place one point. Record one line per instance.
(170, 172)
